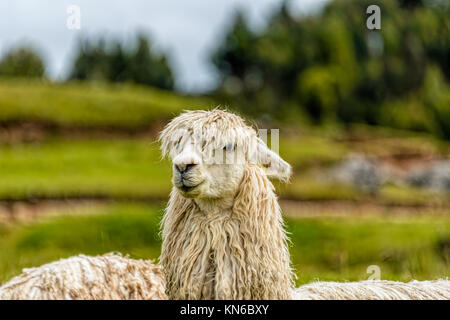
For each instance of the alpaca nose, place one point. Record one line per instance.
(185, 161)
(184, 167)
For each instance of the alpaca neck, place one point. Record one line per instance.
(215, 206)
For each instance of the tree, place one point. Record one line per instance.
(111, 61)
(22, 62)
(148, 68)
(92, 62)
(329, 66)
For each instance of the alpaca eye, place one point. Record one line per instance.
(229, 147)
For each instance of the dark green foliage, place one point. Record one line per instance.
(329, 66)
(111, 62)
(22, 62)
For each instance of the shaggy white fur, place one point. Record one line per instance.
(222, 231)
(107, 277)
(239, 253)
(374, 290)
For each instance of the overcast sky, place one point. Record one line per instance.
(186, 29)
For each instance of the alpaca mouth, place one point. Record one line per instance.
(187, 189)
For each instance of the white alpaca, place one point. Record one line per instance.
(223, 235)
(374, 290)
(223, 226)
(107, 277)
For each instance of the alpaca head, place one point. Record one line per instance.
(210, 151)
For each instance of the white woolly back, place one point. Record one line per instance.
(374, 290)
(107, 277)
(241, 254)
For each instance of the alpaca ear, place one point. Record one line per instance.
(274, 165)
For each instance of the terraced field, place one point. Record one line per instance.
(80, 172)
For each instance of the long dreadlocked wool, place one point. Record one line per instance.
(226, 240)
(107, 277)
(239, 255)
(374, 290)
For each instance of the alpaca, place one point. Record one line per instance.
(223, 234)
(374, 290)
(110, 277)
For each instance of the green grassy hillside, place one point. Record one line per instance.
(132, 168)
(58, 168)
(90, 104)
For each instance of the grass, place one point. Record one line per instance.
(341, 249)
(58, 168)
(129, 229)
(391, 194)
(322, 248)
(305, 151)
(132, 168)
(90, 104)
(306, 186)
(383, 141)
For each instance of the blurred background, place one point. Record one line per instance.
(364, 118)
